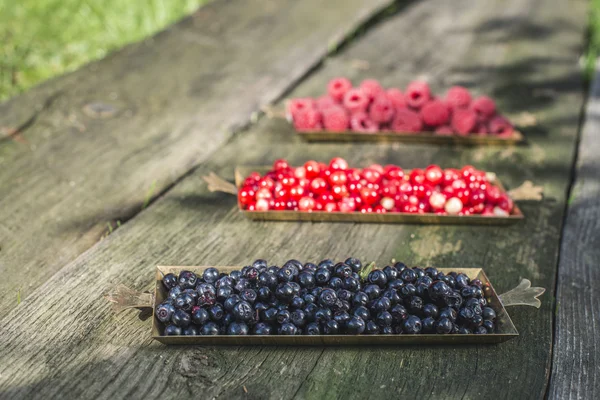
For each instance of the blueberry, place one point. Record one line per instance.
(310, 311)
(297, 302)
(309, 267)
(465, 314)
(269, 315)
(286, 274)
(323, 314)
(237, 328)
(391, 273)
(288, 329)
(448, 312)
(251, 274)
(449, 280)
(164, 312)
(343, 271)
(284, 292)
(170, 281)
(242, 284)
(260, 306)
(373, 291)
(408, 275)
(371, 328)
(428, 325)
(312, 329)
(266, 279)
(216, 312)
(316, 291)
(408, 291)
(190, 331)
(355, 326)
(209, 329)
(399, 313)
(382, 304)
(378, 277)
(322, 276)
(331, 327)
(262, 329)
(430, 310)
(412, 325)
(306, 279)
(480, 331)
(400, 266)
(224, 292)
(467, 292)
(298, 318)
(181, 318)
(273, 270)
(260, 263)
(488, 314)
(384, 318)
(444, 326)
(474, 305)
(336, 283)
(415, 305)
(395, 284)
(464, 331)
(439, 290)
(426, 280)
(353, 263)
(309, 298)
(172, 330)
(200, 316)
(477, 282)
(187, 279)
(489, 325)
(454, 300)
(243, 311)
(362, 312)
(283, 316)
(326, 264)
(210, 275)
(462, 280)
(174, 292)
(476, 322)
(431, 272)
(360, 299)
(327, 298)
(206, 288)
(351, 284)
(387, 330)
(344, 294)
(231, 302)
(342, 318)
(248, 295)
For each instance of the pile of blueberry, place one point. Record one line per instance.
(325, 299)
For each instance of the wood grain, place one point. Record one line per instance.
(523, 52)
(576, 359)
(97, 145)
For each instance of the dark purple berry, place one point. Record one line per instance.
(170, 281)
(237, 328)
(312, 329)
(355, 326)
(412, 325)
(209, 329)
(187, 279)
(172, 330)
(181, 318)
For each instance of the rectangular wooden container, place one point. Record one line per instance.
(505, 327)
(393, 218)
(411, 137)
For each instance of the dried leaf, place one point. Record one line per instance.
(527, 191)
(218, 184)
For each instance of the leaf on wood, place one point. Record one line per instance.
(218, 184)
(124, 298)
(523, 295)
(527, 191)
(525, 119)
(273, 111)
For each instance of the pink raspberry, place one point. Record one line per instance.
(458, 97)
(484, 107)
(338, 87)
(464, 121)
(307, 120)
(444, 130)
(501, 126)
(335, 119)
(360, 122)
(481, 129)
(371, 88)
(356, 100)
(298, 105)
(324, 102)
(382, 109)
(397, 98)
(417, 94)
(407, 121)
(435, 113)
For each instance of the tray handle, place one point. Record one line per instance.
(523, 295)
(218, 184)
(124, 298)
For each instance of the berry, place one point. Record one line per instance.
(484, 107)
(444, 130)
(170, 281)
(338, 87)
(397, 98)
(164, 312)
(464, 121)
(361, 122)
(371, 88)
(237, 328)
(417, 94)
(187, 279)
(435, 113)
(335, 119)
(406, 121)
(355, 326)
(356, 100)
(500, 126)
(381, 110)
(243, 311)
(312, 329)
(444, 326)
(458, 97)
(181, 319)
(412, 325)
(172, 330)
(296, 106)
(210, 328)
(308, 120)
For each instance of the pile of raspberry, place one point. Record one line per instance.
(370, 108)
(335, 187)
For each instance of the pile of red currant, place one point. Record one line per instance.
(335, 187)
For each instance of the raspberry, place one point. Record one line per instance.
(484, 107)
(381, 110)
(396, 97)
(356, 100)
(417, 94)
(295, 106)
(324, 102)
(464, 121)
(481, 129)
(444, 130)
(435, 113)
(407, 121)
(338, 87)
(458, 97)
(307, 120)
(371, 88)
(335, 119)
(360, 122)
(501, 126)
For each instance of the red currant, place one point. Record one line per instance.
(347, 204)
(371, 175)
(339, 191)
(280, 165)
(338, 178)
(434, 174)
(338, 163)
(246, 195)
(312, 169)
(393, 172)
(369, 195)
(417, 176)
(306, 204)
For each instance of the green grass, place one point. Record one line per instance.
(593, 50)
(40, 39)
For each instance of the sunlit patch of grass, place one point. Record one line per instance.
(593, 50)
(40, 39)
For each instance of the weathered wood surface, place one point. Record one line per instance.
(65, 341)
(576, 359)
(97, 144)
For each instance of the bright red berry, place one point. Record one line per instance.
(246, 195)
(306, 204)
(434, 174)
(294, 106)
(338, 178)
(339, 191)
(338, 163)
(312, 169)
(325, 102)
(318, 185)
(280, 165)
(382, 110)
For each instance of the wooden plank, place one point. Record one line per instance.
(576, 358)
(96, 145)
(74, 345)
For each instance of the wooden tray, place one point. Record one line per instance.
(392, 217)
(522, 295)
(411, 137)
